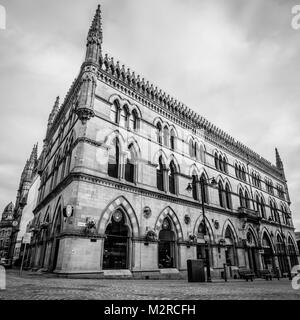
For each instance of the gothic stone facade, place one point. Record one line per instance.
(121, 153)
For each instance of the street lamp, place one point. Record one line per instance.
(189, 188)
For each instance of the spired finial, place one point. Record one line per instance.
(279, 163)
(96, 26)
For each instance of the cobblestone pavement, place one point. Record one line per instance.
(48, 287)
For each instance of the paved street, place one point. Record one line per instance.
(37, 287)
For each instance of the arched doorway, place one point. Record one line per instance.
(281, 255)
(292, 252)
(268, 253)
(56, 241)
(166, 245)
(116, 244)
(203, 244)
(252, 252)
(230, 250)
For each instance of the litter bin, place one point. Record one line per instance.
(195, 269)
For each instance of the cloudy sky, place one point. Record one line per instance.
(236, 62)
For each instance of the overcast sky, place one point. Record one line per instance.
(236, 62)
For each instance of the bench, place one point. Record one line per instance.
(266, 274)
(246, 274)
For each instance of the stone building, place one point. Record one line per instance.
(26, 199)
(118, 160)
(6, 228)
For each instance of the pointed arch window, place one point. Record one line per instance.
(113, 159)
(228, 196)
(191, 147)
(224, 164)
(129, 166)
(124, 117)
(172, 139)
(166, 136)
(114, 112)
(221, 191)
(194, 187)
(247, 200)
(203, 183)
(263, 208)
(133, 120)
(172, 181)
(216, 161)
(159, 133)
(202, 153)
(160, 175)
(241, 197)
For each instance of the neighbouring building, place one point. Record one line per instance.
(26, 201)
(118, 160)
(298, 239)
(6, 228)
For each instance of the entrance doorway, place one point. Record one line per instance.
(252, 252)
(268, 254)
(166, 246)
(116, 244)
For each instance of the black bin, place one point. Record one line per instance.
(195, 270)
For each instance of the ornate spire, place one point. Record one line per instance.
(279, 163)
(34, 154)
(94, 39)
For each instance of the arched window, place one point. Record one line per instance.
(133, 120)
(241, 197)
(114, 112)
(263, 208)
(160, 175)
(203, 183)
(224, 164)
(129, 166)
(194, 182)
(159, 133)
(69, 157)
(240, 172)
(220, 163)
(247, 201)
(172, 183)
(172, 139)
(216, 161)
(236, 171)
(113, 159)
(202, 153)
(124, 117)
(258, 205)
(221, 191)
(243, 175)
(191, 147)
(228, 196)
(166, 136)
